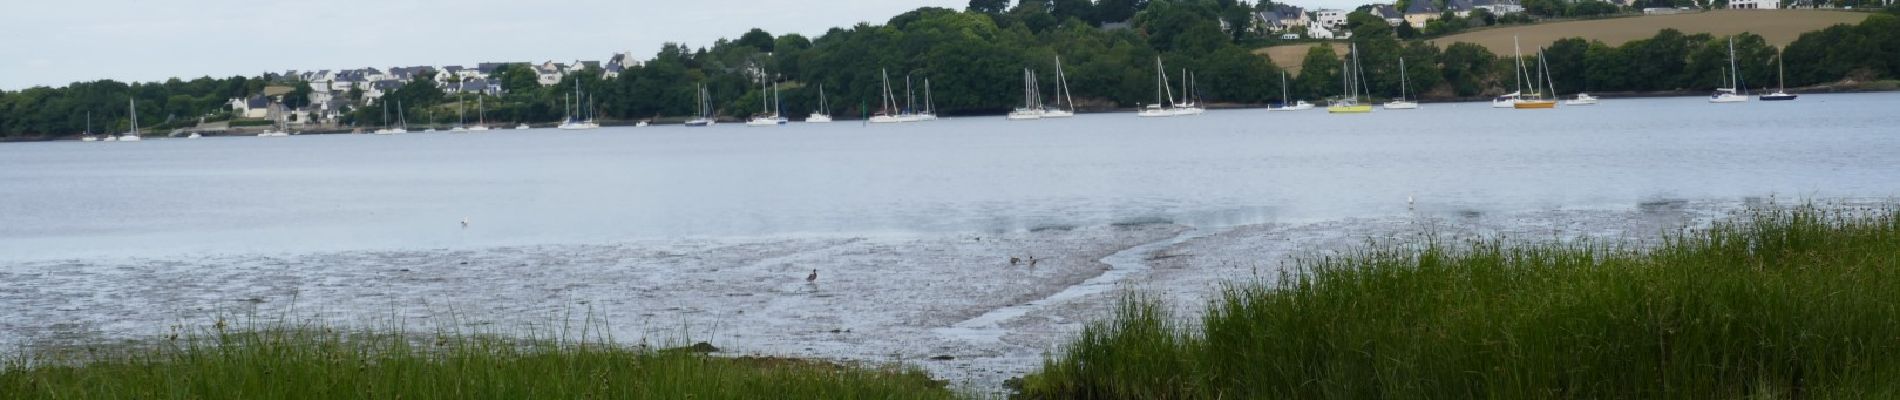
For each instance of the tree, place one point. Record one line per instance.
(299, 96)
(757, 39)
(1466, 65)
(1566, 58)
(1320, 74)
(988, 6)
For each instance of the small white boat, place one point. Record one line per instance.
(1401, 103)
(1506, 101)
(520, 127)
(1780, 94)
(477, 128)
(1583, 99)
(823, 115)
(1297, 106)
(1065, 98)
(1285, 97)
(1156, 110)
(1187, 106)
(641, 124)
(1732, 93)
(458, 129)
(770, 115)
(1032, 100)
(133, 135)
(110, 138)
(888, 114)
(195, 135)
(481, 115)
(88, 138)
(1057, 113)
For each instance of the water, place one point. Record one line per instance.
(350, 192)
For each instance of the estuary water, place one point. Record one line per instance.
(246, 195)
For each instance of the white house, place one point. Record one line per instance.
(255, 107)
(1330, 18)
(1753, 4)
(1319, 33)
(1498, 7)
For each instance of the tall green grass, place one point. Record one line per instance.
(319, 363)
(1799, 303)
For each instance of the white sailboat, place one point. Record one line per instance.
(768, 115)
(576, 118)
(705, 118)
(887, 112)
(481, 115)
(1286, 99)
(1509, 100)
(1401, 103)
(86, 135)
(1188, 106)
(1063, 95)
(930, 104)
(133, 135)
(461, 116)
(824, 109)
(1032, 100)
(1159, 108)
(1732, 93)
(387, 128)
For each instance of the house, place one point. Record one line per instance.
(257, 106)
(1498, 7)
(476, 86)
(1460, 8)
(619, 63)
(549, 73)
(1421, 12)
(1292, 17)
(1267, 22)
(1391, 15)
(1320, 33)
(1753, 4)
(1328, 18)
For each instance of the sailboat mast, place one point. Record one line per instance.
(135, 115)
(1401, 78)
(1517, 54)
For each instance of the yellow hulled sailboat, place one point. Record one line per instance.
(1535, 100)
(1354, 82)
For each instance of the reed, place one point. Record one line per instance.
(1796, 303)
(311, 362)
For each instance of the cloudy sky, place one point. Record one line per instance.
(55, 42)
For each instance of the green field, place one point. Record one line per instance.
(1780, 304)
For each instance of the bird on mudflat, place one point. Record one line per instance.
(464, 222)
(813, 278)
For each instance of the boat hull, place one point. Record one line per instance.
(1401, 105)
(1362, 109)
(1534, 105)
(1780, 97)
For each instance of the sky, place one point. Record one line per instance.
(56, 42)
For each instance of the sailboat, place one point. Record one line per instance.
(1732, 93)
(576, 117)
(909, 112)
(1354, 84)
(461, 116)
(1032, 100)
(1401, 103)
(705, 118)
(481, 115)
(824, 109)
(1159, 109)
(1509, 100)
(930, 104)
(768, 115)
(1188, 106)
(432, 120)
(282, 129)
(1286, 99)
(1537, 100)
(86, 135)
(887, 112)
(133, 135)
(387, 128)
(1781, 92)
(1063, 95)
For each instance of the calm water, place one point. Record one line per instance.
(344, 192)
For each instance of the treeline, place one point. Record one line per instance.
(43, 111)
(973, 60)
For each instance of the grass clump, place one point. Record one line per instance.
(319, 363)
(1799, 303)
